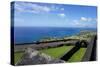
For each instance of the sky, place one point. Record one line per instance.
(30, 14)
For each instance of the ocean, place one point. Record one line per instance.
(30, 34)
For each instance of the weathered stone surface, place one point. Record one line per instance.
(90, 54)
(22, 47)
(32, 56)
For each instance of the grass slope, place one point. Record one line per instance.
(78, 55)
(17, 56)
(56, 52)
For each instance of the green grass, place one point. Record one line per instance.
(54, 52)
(57, 52)
(78, 55)
(17, 56)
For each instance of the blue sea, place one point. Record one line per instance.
(30, 34)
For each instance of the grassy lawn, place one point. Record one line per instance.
(57, 52)
(78, 55)
(17, 56)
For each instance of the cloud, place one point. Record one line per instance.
(76, 23)
(61, 15)
(37, 8)
(83, 19)
(90, 22)
(87, 19)
(30, 7)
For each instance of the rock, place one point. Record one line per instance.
(33, 56)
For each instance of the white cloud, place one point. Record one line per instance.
(87, 19)
(90, 22)
(38, 8)
(30, 7)
(61, 15)
(83, 19)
